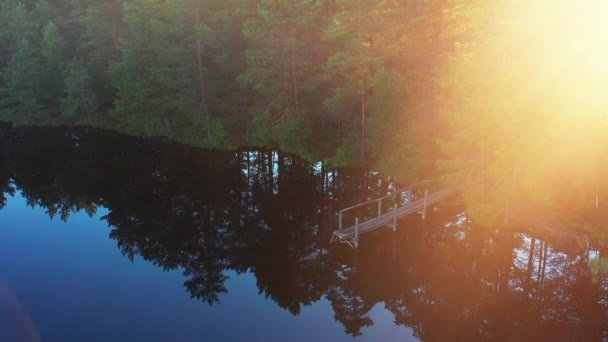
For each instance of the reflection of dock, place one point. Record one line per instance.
(409, 206)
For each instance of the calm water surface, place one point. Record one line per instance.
(105, 237)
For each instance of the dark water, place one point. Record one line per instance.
(105, 237)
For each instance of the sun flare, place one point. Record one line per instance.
(571, 34)
(562, 47)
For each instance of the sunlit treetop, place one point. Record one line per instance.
(526, 106)
(563, 38)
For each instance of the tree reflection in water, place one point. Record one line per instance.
(272, 214)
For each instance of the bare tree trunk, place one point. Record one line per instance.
(280, 172)
(206, 115)
(82, 100)
(530, 267)
(167, 125)
(542, 265)
(363, 107)
(339, 132)
(324, 120)
(323, 179)
(294, 82)
(115, 18)
(270, 166)
(244, 115)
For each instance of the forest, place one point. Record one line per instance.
(310, 77)
(503, 99)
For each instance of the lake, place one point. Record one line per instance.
(105, 237)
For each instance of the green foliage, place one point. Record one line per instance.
(53, 47)
(20, 23)
(344, 156)
(286, 74)
(80, 102)
(101, 27)
(293, 134)
(282, 69)
(218, 136)
(412, 153)
(154, 77)
(19, 101)
(423, 89)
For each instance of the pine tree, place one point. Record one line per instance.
(52, 69)
(102, 27)
(16, 23)
(80, 101)
(284, 70)
(155, 80)
(19, 101)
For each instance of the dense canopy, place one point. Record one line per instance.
(503, 99)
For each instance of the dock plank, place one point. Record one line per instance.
(382, 220)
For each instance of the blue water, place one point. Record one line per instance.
(73, 284)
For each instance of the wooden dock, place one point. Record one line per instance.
(351, 235)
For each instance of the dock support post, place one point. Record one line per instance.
(340, 220)
(357, 232)
(380, 207)
(395, 218)
(426, 197)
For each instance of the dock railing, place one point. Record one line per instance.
(399, 192)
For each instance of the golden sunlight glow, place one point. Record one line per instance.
(582, 29)
(572, 33)
(564, 45)
(530, 93)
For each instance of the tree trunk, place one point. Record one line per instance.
(363, 107)
(542, 274)
(280, 172)
(167, 125)
(324, 120)
(530, 267)
(294, 82)
(116, 17)
(83, 101)
(244, 115)
(206, 115)
(270, 165)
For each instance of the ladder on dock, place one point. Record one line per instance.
(351, 234)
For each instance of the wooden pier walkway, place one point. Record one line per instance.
(351, 235)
